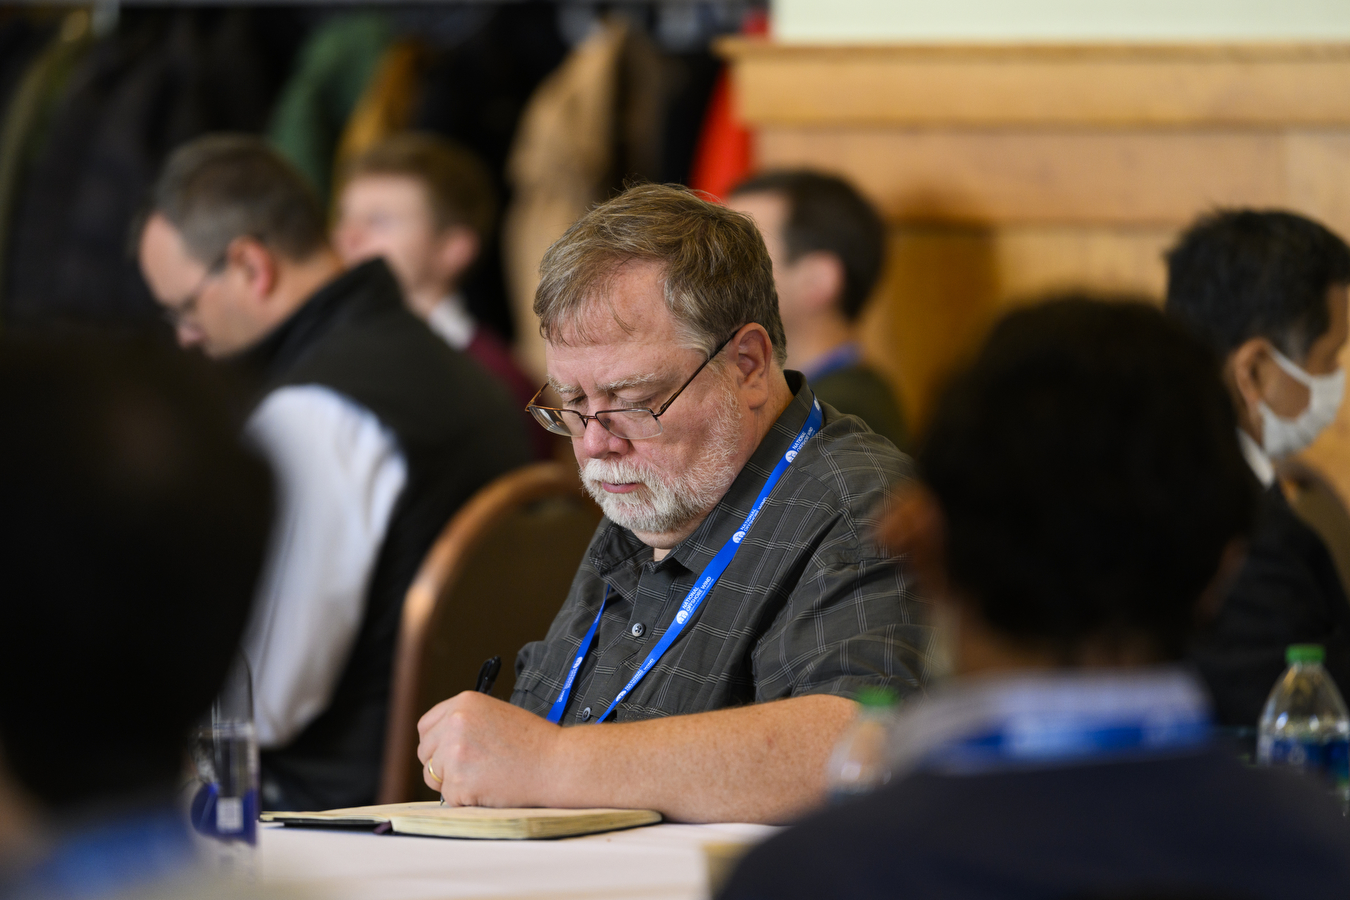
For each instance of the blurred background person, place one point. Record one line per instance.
(1267, 291)
(426, 205)
(376, 430)
(136, 532)
(1081, 502)
(828, 246)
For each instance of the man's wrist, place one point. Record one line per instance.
(557, 769)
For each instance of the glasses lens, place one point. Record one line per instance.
(557, 421)
(631, 424)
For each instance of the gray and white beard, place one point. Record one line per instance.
(664, 503)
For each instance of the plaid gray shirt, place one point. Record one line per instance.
(809, 605)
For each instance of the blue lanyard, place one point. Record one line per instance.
(1060, 742)
(836, 360)
(702, 586)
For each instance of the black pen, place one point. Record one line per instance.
(487, 675)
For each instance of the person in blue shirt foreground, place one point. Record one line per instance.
(1081, 503)
(137, 528)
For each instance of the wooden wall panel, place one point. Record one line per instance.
(1000, 176)
(1104, 85)
(1009, 172)
(945, 284)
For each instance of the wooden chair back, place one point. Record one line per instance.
(492, 582)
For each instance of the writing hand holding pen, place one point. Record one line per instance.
(487, 677)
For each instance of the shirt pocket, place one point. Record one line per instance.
(532, 691)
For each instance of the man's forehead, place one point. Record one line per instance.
(622, 335)
(629, 305)
(605, 366)
(165, 259)
(385, 188)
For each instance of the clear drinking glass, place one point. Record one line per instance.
(224, 749)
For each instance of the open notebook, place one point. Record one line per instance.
(430, 818)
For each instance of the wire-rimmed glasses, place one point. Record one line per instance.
(185, 309)
(630, 424)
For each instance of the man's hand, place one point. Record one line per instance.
(487, 753)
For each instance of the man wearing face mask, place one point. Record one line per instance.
(1268, 291)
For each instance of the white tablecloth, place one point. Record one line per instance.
(659, 862)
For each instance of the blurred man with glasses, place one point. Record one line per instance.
(376, 431)
(734, 599)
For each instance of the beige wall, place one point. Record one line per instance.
(1058, 20)
(1007, 171)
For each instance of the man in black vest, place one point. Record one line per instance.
(376, 430)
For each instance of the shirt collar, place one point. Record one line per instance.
(619, 545)
(451, 320)
(1038, 706)
(367, 287)
(1257, 458)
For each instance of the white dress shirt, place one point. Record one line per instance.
(451, 320)
(338, 473)
(1257, 459)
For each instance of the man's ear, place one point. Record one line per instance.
(819, 280)
(257, 265)
(752, 355)
(1247, 371)
(457, 247)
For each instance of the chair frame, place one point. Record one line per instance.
(443, 565)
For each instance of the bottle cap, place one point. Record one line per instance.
(876, 697)
(1304, 653)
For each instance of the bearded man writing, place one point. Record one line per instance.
(734, 599)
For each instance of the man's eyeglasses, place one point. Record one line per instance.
(633, 424)
(179, 313)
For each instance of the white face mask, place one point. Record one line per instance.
(1281, 437)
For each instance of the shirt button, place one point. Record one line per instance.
(586, 714)
(638, 629)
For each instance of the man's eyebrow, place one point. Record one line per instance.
(632, 381)
(561, 389)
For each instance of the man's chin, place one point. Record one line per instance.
(637, 517)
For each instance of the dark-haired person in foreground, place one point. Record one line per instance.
(137, 529)
(376, 429)
(1081, 498)
(1267, 291)
(828, 246)
(734, 599)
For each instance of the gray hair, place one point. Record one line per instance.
(718, 275)
(224, 186)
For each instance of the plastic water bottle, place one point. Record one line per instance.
(1305, 724)
(861, 761)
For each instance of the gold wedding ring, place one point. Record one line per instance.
(432, 773)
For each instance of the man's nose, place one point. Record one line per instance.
(597, 441)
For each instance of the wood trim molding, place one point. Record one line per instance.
(1103, 85)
